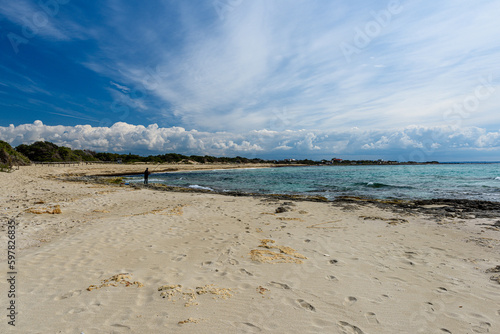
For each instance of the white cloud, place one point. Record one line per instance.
(235, 74)
(399, 144)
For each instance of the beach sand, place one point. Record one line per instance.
(94, 258)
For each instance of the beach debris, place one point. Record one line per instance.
(493, 270)
(262, 290)
(303, 212)
(189, 320)
(55, 210)
(289, 218)
(100, 211)
(174, 292)
(483, 242)
(223, 293)
(155, 211)
(285, 255)
(176, 211)
(115, 281)
(390, 221)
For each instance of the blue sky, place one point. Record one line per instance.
(404, 80)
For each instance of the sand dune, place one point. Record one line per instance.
(166, 262)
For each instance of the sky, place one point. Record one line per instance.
(397, 80)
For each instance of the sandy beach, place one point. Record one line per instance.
(97, 258)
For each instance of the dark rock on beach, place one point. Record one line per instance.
(281, 209)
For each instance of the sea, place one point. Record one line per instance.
(477, 181)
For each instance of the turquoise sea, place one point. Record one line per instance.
(455, 181)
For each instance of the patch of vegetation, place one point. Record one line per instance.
(10, 157)
(114, 180)
(45, 151)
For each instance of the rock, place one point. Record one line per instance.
(281, 209)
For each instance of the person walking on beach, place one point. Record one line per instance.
(146, 175)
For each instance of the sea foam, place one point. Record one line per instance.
(195, 186)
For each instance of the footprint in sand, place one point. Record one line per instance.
(348, 301)
(484, 327)
(322, 324)
(280, 285)
(248, 327)
(76, 310)
(347, 328)
(441, 290)
(306, 305)
(244, 271)
(180, 257)
(69, 295)
(371, 318)
(332, 278)
(233, 262)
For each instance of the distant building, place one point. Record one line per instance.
(335, 160)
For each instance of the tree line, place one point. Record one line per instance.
(43, 151)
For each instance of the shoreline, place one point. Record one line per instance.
(459, 204)
(117, 259)
(462, 208)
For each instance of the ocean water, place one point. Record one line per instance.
(456, 181)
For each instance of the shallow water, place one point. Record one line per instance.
(456, 181)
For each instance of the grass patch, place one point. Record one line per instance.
(114, 180)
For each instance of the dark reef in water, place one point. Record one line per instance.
(444, 207)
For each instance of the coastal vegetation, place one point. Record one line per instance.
(44, 151)
(10, 157)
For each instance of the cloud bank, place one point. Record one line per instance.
(414, 143)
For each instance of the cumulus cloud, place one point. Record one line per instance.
(410, 143)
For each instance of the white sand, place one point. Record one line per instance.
(362, 272)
